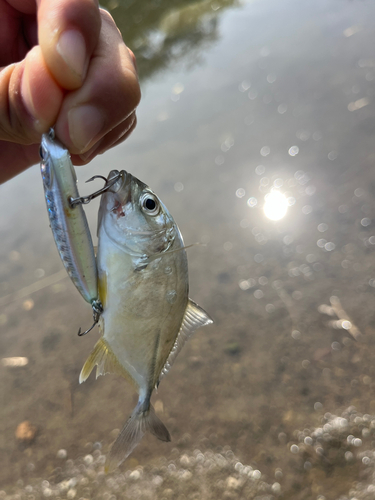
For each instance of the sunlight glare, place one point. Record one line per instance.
(275, 206)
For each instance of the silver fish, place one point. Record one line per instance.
(143, 286)
(68, 223)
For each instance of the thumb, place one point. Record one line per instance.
(68, 32)
(30, 99)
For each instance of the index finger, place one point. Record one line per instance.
(68, 31)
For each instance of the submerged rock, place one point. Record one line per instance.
(26, 432)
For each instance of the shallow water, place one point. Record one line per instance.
(239, 99)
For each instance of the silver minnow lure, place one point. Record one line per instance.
(68, 223)
(143, 286)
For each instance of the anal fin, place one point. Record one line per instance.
(105, 361)
(194, 318)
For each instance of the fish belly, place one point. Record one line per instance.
(143, 311)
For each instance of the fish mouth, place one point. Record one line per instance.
(121, 189)
(118, 184)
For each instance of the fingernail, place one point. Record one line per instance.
(85, 124)
(91, 152)
(27, 98)
(26, 95)
(72, 48)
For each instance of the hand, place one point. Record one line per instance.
(80, 78)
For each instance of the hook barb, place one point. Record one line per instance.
(81, 334)
(97, 177)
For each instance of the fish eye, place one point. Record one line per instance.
(150, 204)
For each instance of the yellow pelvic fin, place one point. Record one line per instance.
(105, 360)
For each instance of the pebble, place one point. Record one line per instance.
(26, 432)
(199, 469)
(88, 459)
(194, 470)
(135, 475)
(232, 482)
(184, 461)
(71, 494)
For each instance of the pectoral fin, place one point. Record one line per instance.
(104, 359)
(194, 318)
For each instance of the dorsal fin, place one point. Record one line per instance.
(194, 318)
(104, 359)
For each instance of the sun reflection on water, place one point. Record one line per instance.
(275, 206)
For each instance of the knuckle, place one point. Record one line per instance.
(106, 16)
(124, 90)
(133, 90)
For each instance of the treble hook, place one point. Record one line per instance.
(81, 334)
(97, 310)
(86, 199)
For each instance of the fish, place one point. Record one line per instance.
(68, 222)
(147, 314)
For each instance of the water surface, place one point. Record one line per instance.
(240, 100)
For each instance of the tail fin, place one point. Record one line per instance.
(138, 423)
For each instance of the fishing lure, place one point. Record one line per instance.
(68, 220)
